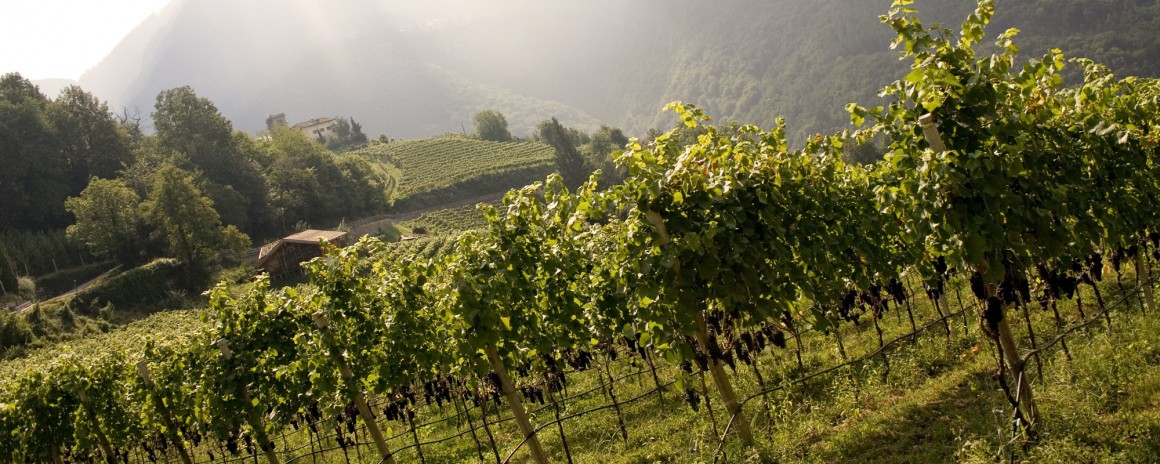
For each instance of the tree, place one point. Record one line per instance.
(866, 153)
(308, 183)
(91, 140)
(7, 272)
(186, 222)
(357, 136)
(604, 142)
(192, 127)
(491, 125)
(568, 158)
(32, 172)
(107, 220)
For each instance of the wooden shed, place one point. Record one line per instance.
(285, 257)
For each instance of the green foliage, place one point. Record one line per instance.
(714, 232)
(7, 271)
(449, 221)
(37, 253)
(108, 220)
(91, 139)
(33, 182)
(191, 127)
(448, 168)
(146, 287)
(564, 143)
(308, 183)
(599, 154)
(1022, 152)
(185, 221)
(348, 135)
(50, 149)
(491, 125)
(862, 153)
(14, 331)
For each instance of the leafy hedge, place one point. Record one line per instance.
(134, 288)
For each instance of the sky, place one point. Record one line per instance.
(44, 39)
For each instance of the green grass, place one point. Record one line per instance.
(451, 167)
(447, 221)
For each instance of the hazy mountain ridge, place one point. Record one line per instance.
(410, 69)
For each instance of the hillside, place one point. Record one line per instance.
(984, 293)
(414, 70)
(442, 169)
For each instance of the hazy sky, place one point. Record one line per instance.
(43, 39)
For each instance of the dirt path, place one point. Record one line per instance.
(74, 291)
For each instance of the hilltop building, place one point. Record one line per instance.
(312, 128)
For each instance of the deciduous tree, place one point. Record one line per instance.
(186, 222)
(108, 220)
(568, 158)
(491, 125)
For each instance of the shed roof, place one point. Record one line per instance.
(312, 236)
(308, 237)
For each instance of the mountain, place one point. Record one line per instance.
(52, 87)
(417, 68)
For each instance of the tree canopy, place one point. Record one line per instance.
(491, 125)
(186, 223)
(108, 218)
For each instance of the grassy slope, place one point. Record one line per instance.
(453, 167)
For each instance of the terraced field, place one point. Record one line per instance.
(434, 170)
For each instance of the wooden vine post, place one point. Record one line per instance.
(360, 401)
(102, 439)
(163, 411)
(702, 335)
(1145, 277)
(740, 422)
(1014, 362)
(994, 317)
(252, 417)
(516, 405)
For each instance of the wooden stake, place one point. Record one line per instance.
(930, 130)
(719, 376)
(252, 417)
(723, 385)
(1015, 364)
(615, 403)
(359, 399)
(1145, 277)
(516, 405)
(102, 440)
(163, 411)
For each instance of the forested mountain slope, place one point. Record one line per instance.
(410, 69)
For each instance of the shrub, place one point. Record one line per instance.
(137, 288)
(27, 286)
(14, 331)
